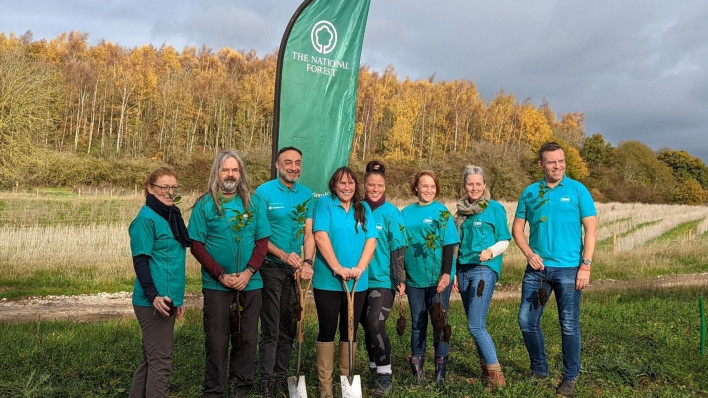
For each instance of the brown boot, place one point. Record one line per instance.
(325, 366)
(344, 357)
(496, 378)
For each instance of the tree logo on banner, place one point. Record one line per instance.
(324, 37)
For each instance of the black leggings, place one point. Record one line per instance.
(332, 309)
(378, 307)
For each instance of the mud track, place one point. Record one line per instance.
(96, 307)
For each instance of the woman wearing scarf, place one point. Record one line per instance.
(484, 236)
(385, 275)
(158, 238)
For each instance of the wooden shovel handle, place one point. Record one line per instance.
(302, 293)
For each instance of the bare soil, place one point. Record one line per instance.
(96, 307)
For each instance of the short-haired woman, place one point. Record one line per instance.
(432, 239)
(158, 238)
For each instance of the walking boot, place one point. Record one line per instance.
(266, 390)
(440, 367)
(495, 379)
(344, 357)
(384, 385)
(325, 365)
(417, 362)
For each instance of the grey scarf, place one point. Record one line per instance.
(466, 209)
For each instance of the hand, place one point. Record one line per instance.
(444, 282)
(486, 255)
(342, 272)
(455, 286)
(306, 271)
(401, 289)
(535, 261)
(293, 260)
(180, 312)
(160, 304)
(242, 280)
(228, 280)
(582, 279)
(355, 273)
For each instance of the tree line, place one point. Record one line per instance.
(72, 113)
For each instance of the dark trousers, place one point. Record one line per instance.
(379, 302)
(277, 326)
(218, 334)
(332, 311)
(153, 373)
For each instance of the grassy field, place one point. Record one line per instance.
(637, 342)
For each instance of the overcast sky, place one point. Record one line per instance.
(637, 69)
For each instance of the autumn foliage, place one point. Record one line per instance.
(65, 101)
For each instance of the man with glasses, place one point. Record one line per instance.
(230, 234)
(291, 247)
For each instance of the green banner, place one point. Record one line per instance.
(316, 86)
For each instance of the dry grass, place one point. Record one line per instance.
(86, 237)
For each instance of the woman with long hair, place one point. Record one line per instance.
(345, 234)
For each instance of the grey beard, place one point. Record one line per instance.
(229, 186)
(284, 176)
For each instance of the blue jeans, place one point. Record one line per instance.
(560, 281)
(476, 305)
(421, 300)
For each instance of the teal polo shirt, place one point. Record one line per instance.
(481, 231)
(229, 236)
(151, 235)
(555, 220)
(391, 236)
(428, 228)
(287, 210)
(348, 244)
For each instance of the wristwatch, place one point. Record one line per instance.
(253, 270)
(307, 260)
(587, 261)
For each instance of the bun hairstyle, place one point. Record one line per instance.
(375, 167)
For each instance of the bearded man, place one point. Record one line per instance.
(230, 232)
(291, 247)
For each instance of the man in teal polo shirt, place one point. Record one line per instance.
(230, 233)
(557, 208)
(291, 247)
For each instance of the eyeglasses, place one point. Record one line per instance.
(165, 188)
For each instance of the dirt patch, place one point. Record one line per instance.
(81, 308)
(95, 307)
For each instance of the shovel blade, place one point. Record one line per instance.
(353, 389)
(296, 387)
